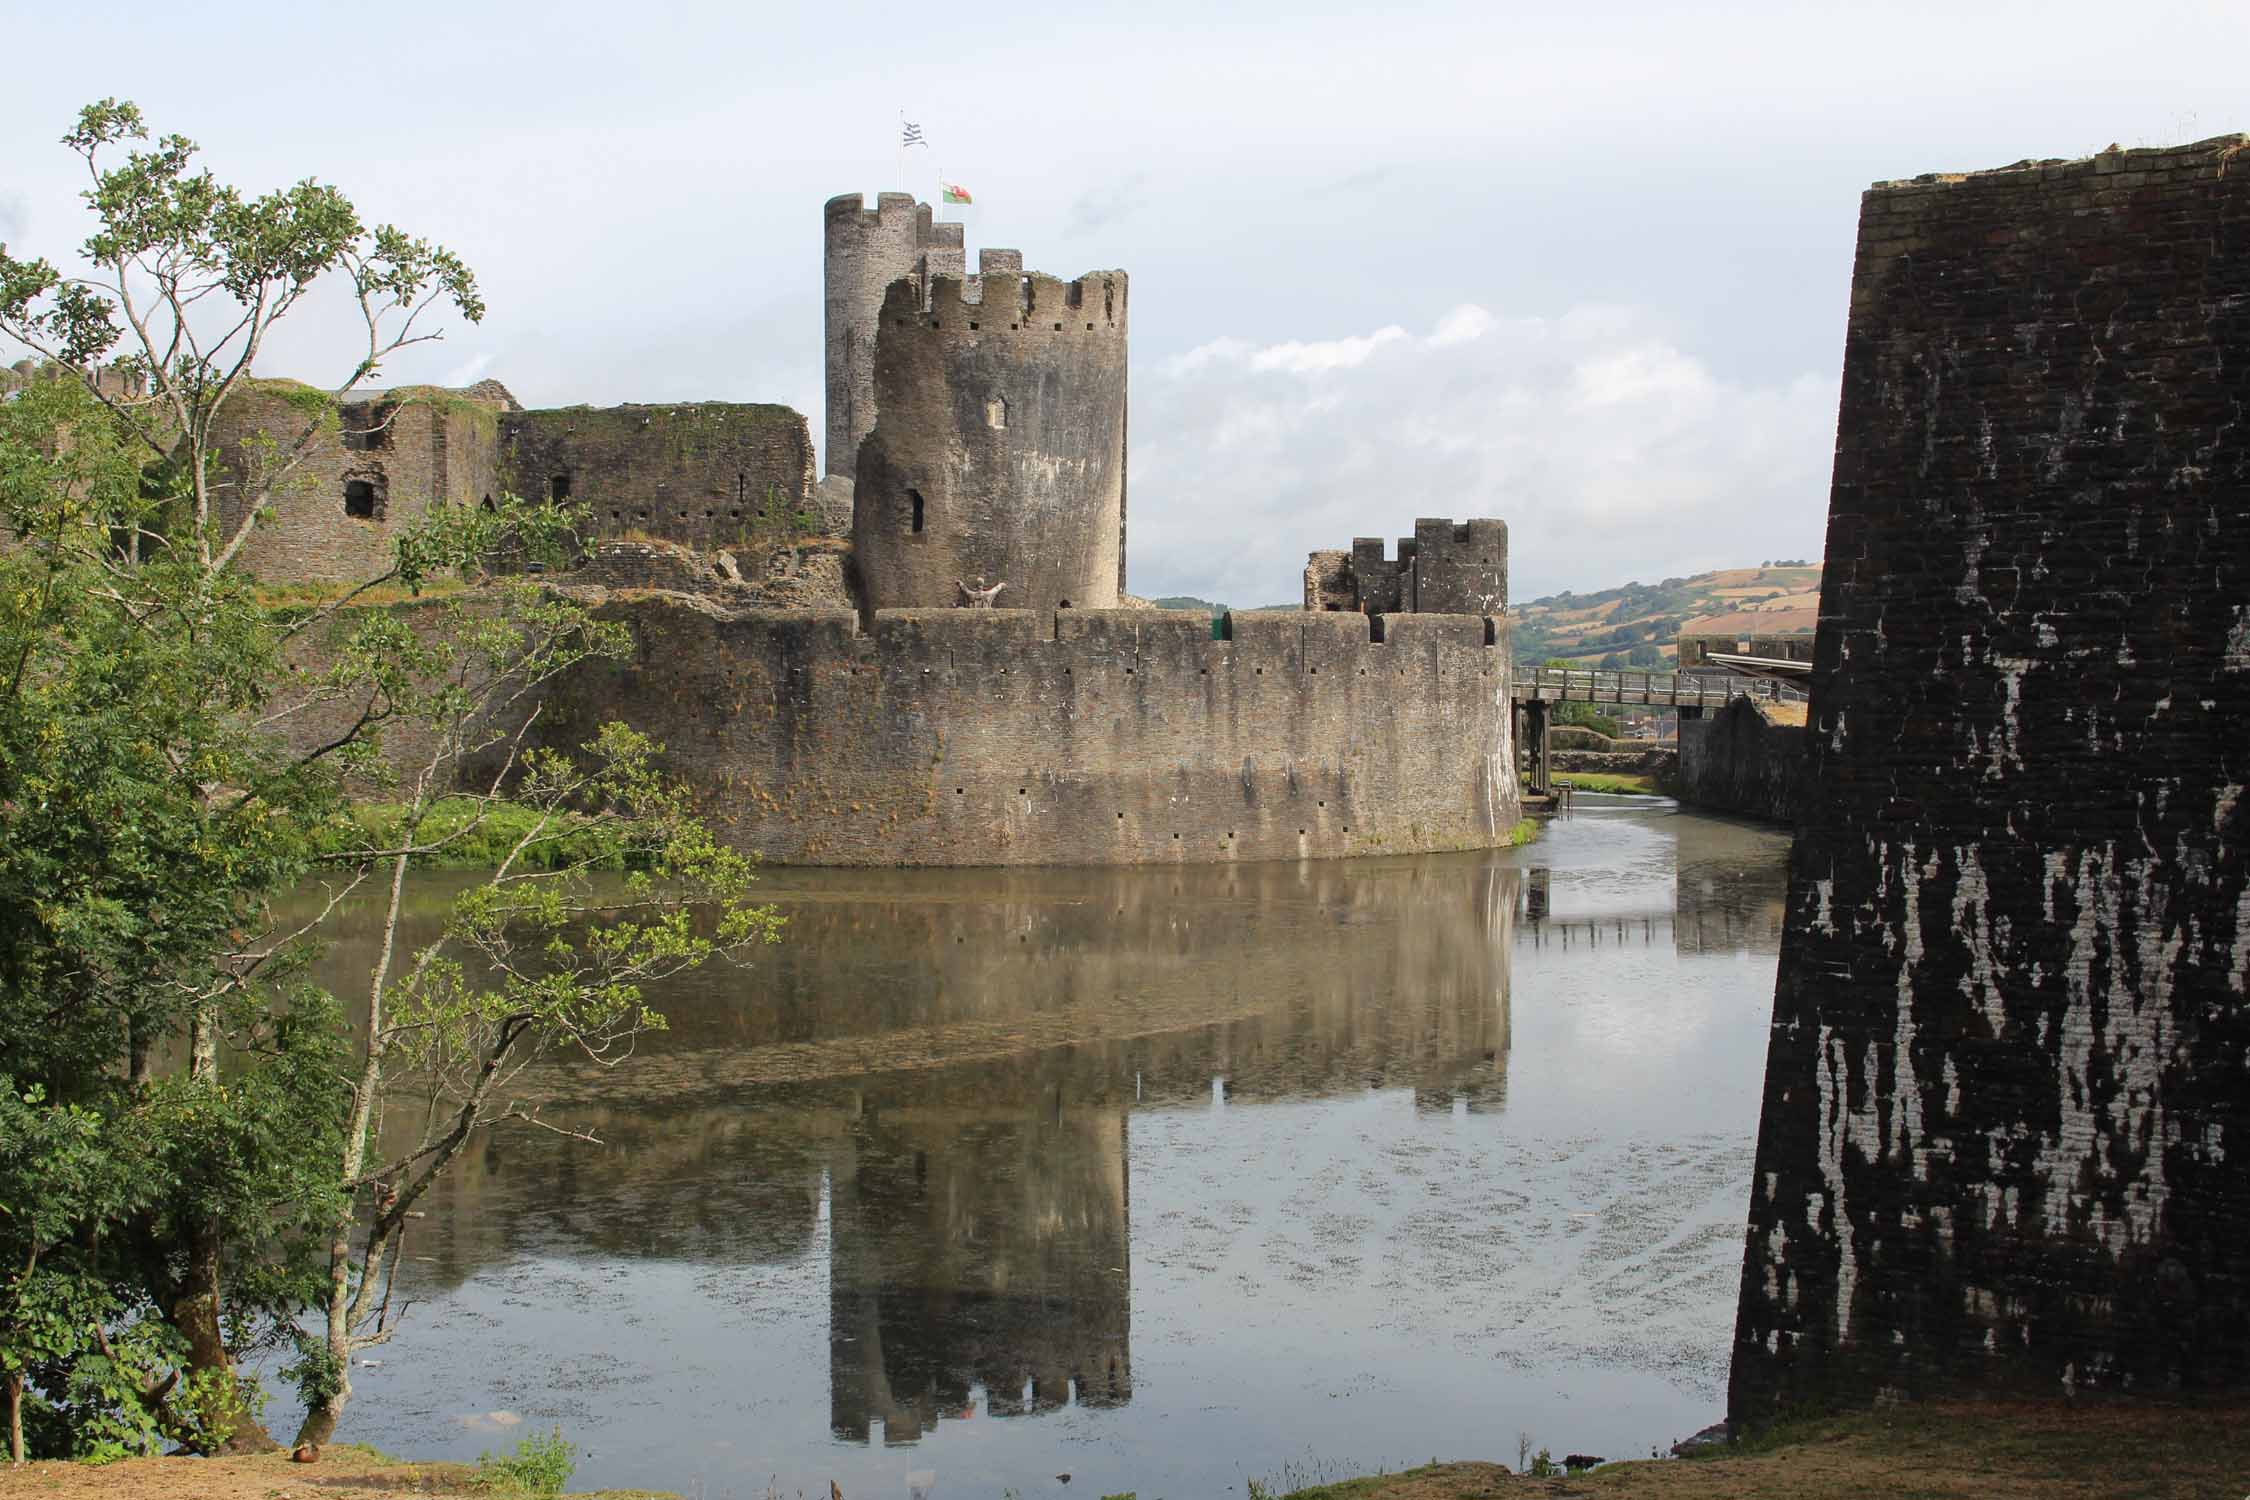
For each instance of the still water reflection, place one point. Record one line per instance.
(1157, 1178)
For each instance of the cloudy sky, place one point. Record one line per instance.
(1581, 266)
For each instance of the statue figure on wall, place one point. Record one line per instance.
(977, 596)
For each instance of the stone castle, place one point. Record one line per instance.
(805, 655)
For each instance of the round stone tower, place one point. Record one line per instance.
(866, 250)
(998, 452)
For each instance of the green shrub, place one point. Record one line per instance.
(539, 1466)
(478, 847)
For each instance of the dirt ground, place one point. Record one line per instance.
(344, 1472)
(1981, 1451)
(1967, 1451)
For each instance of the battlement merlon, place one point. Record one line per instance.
(1092, 303)
(851, 205)
(1486, 539)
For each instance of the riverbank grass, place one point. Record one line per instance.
(1605, 781)
(469, 840)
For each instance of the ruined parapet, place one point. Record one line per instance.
(2006, 1104)
(1445, 568)
(1000, 449)
(1328, 582)
(706, 474)
(865, 250)
(369, 467)
(109, 380)
(1460, 569)
(1380, 580)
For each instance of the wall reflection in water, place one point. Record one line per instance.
(950, 1060)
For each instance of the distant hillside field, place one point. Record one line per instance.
(1640, 624)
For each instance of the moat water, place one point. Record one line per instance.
(1161, 1179)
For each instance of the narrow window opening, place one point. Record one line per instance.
(972, 325)
(1058, 329)
(359, 499)
(558, 488)
(914, 497)
(996, 412)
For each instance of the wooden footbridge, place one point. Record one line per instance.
(1658, 689)
(1761, 679)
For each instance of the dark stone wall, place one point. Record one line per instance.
(2006, 1131)
(1738, 761)
(1002, 407)
(706, 473)
(976, 737)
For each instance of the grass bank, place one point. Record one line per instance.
(2059, 1450)
(1604, 781)
(470, 842)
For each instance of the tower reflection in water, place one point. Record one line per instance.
(980, 1216)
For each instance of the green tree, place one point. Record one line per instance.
(164, 776)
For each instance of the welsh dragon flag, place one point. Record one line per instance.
(955, 193)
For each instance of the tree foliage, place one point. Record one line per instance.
(197, 1147)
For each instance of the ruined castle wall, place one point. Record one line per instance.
(706, 474)
(1000, 449)
(865, 250)
(1381, 581)
(2006, 1131)
(1460, 569)
(371, 469)
(1738, 761)
(973, 737)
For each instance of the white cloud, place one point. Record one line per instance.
(468, 372)
(1611, 453)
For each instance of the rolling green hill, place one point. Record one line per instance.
(1638, 624)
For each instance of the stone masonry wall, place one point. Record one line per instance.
(864, 250)
(1460, 569)
(999, 451)
(706, 474)
(1445, 568)
(410, 449)
(972, 737)
(2006, 1131)
(1738, 761)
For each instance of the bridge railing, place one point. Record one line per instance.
(1627, 686)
